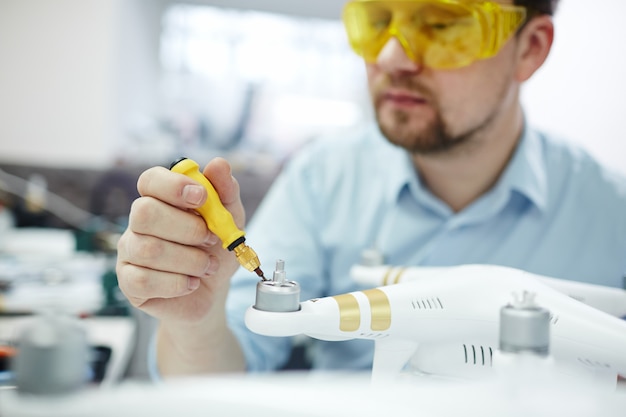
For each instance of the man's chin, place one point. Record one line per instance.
(411, 139)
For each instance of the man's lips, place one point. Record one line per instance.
(402, 98)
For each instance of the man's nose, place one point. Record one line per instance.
(393, 58)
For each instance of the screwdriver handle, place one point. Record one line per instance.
(219, 220)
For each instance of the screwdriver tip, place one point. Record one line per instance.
(260, 274)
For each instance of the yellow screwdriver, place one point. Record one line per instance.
(218, 219)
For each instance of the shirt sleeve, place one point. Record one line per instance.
(153, 369)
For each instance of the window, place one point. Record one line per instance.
(262, 82)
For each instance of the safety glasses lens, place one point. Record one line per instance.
(441, 35)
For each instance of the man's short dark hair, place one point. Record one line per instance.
(538, 6)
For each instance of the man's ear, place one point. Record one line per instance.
(535, 42)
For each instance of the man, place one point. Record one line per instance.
(450, 175)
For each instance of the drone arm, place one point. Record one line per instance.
(317, 318)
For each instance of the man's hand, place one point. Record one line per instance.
(172, 267)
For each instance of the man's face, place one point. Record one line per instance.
(429, 111)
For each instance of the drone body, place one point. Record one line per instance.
(453, 314)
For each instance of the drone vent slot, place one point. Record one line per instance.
(374, 335)
(554, 319)
(478, 355)
(427, 304)
(594, 364)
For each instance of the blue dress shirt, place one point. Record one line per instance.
(555, 211)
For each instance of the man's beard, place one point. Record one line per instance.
(437, 137)
(434, 139)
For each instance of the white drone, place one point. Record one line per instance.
(445, 320)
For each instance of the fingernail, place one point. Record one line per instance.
(193, 194)
(210, 240)
(193, 283)
(211, 268)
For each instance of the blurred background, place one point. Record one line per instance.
(99, 83)
(94, 91)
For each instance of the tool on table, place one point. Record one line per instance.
(219, 220)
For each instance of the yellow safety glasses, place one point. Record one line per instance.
(440, 34)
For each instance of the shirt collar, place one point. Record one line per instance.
(525, 173)
(397, 164)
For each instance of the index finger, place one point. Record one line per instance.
(171, 187)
